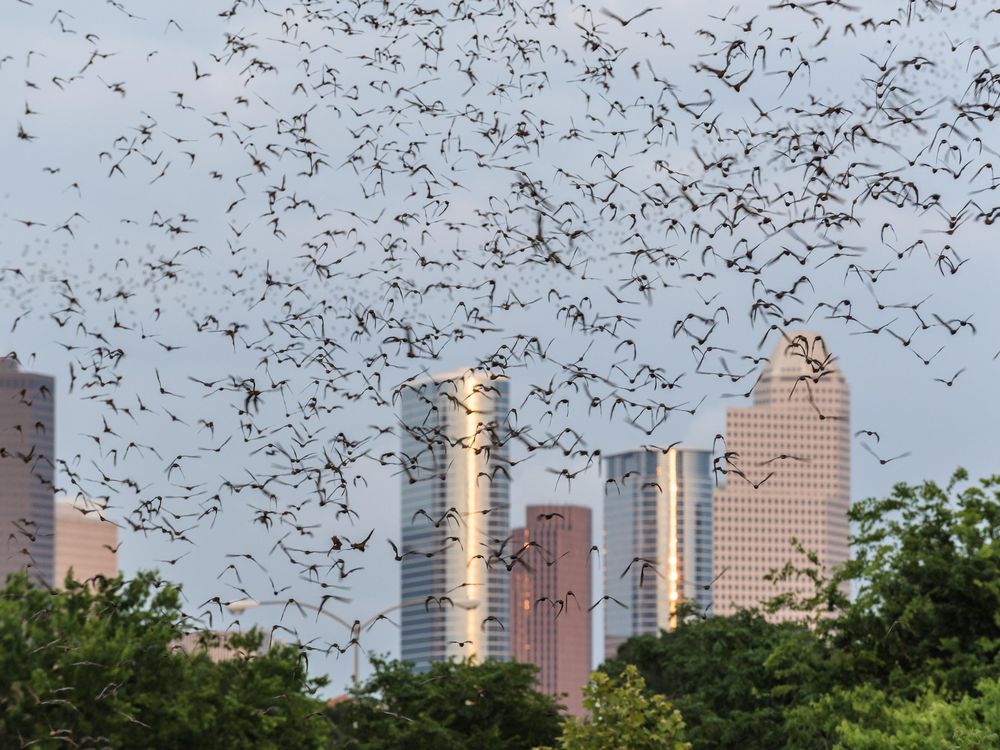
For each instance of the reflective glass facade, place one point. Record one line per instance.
(453, 446)
(657, 507)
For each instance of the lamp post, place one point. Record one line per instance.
(243, 605)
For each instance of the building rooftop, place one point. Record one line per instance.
(799, 353)
(91, 509)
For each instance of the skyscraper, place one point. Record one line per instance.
(549, 622)
(27, 462)
(657, 508)
(456, 504)
(85, 541)
(795, 443)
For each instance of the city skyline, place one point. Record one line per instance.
(460, 412)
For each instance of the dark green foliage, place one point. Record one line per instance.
(622, 715)
(927, 568)
(921, 631)
(94, 667)
(456, 705)
(714, 673)
(866, 718)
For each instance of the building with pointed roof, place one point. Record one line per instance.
(787, 469)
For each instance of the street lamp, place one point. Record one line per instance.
(242, 605)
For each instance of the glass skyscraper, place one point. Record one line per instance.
(453, 447)
(657, 507)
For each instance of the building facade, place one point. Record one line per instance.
(549, 622)
(658, 516)
(216, 644)
(794, 444)
(86, 542)
(27, 462)
(455, 503)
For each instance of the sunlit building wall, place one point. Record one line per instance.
(27, 462)
(453, 446)
(657, 507)
(85, 541)
(801, 410)
(550, 595)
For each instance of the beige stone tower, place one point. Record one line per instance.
(85, 540)
(798, 432)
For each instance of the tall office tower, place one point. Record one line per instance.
(798, 428)
(85, 540)
(27, 459)
(658, 508)
(549, 625)
(456, 504)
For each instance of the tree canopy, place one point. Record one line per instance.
(920, 634)
(623, 717)
(866, 718)
(97, 666)
(492, 705)
(714, 672)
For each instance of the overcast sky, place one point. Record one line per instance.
(121, 241)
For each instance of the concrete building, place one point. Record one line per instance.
(549, 622)
(85, 541)
(455, 504)
(657, 508)
(27, 458)
(794, 443)
(215, 643)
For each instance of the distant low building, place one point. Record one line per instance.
(212, 642)
(85, 540)
(337, 700)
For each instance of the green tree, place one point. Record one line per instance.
(623, 717)
(714, 671)
(866, 718)
(925, 571)
(90, 667)
(925, 568)
(493, 705)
